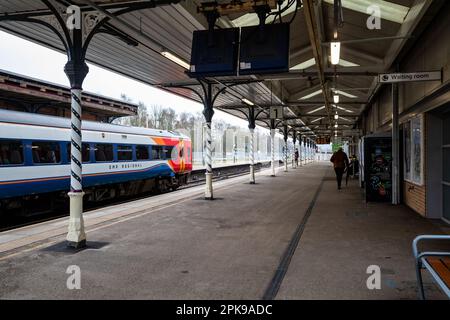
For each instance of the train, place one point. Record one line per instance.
(117, 160)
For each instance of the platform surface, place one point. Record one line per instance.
(229, 248)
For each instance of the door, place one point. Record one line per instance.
(446, 167)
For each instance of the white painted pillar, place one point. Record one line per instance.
(209, 173)
(76, 235)
(294, 165)
(272, 150)
(285, 156)
(300, 151)
(252, 156)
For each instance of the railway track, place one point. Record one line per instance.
(197, 178)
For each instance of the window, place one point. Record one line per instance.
(104, 153)
(413, 152)
(142, 153)
(11, 152)
(46, 152)
(124, 153)
(85, 149)
(168, 153)
(407, 150)
(157, 153)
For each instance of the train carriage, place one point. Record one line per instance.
(117, 160)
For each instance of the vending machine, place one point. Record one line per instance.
(377, 161)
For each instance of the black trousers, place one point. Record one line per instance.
(339, 174)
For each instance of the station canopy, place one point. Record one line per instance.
(135, 44)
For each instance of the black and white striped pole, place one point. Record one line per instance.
(251, 126)
(308, 148)
(300, 150)
(285, 128)
(272, 146)
(208, 113)
(76, 70)
(305, 150)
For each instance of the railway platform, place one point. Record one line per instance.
(293, 236)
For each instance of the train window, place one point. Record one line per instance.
(168, 153)
(84, 152)
(189, 153)
(157, 153)
(142, 153)
(11, 152)
(124, 153)
(181, 154)
(46, 152)
(104, 153)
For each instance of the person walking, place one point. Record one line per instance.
(296, 156)
(340, 162)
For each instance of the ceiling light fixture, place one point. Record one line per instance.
(175, 59)
(336, 98)
(335, 47)
(315, 110)
(315, 93)
(246, 101)
(315, 120)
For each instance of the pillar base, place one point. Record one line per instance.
(208, 187)
(76, 234)
(76, 245)
(252, 174)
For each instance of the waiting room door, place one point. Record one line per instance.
(446, 167)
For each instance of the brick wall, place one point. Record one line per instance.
(415, 197)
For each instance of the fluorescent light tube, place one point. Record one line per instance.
(315, 110)
(335, 52)
(246, 101)
(176, 59)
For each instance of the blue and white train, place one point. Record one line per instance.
(117, 160)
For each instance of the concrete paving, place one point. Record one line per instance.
(231, 247)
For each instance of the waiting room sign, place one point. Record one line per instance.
(410, 77)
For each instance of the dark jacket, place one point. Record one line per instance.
(340, 159)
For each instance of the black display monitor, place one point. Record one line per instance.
(264, 51)
(214, 54)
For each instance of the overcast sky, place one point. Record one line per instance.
(32, 60)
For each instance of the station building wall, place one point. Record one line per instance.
(431, 51)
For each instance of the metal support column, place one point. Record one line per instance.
(309, 150)
(300, 147)
(208, 112)
(251, 126)
(294, 138)
(272, 146)
(76, 70)
(314, 151)
(306, 151)
(285, 132)
(395, 146)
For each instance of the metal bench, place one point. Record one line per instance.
(437, 263)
